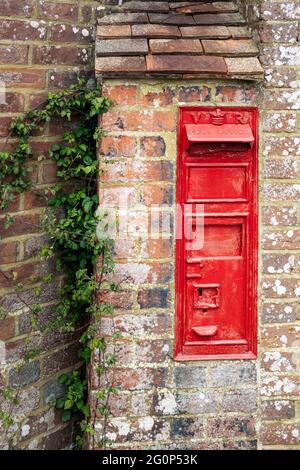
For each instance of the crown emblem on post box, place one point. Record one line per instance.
(217, 117)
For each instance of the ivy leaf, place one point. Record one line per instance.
(66, 416)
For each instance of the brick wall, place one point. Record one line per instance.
(44, 45)
(163, 404)
(218, 404)
(279, 387)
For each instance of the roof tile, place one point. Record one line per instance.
(220, 18)
(244, 66)
(155, 31)
(230, 47)
(124, 47)
(190, 38)
(217, 32)
(184, 64)
(120, 64)
(175, 46)
(171, 18)
(112, 31)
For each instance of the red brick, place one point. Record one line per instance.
(283, 239)
(279, 122)
(121, 94)
(232, 93)
(278, 409)
(156, 194)
(129, 171)
(280, 433)
(150, 120)
(9, 252)
(121, 146)
(274, 215)
(194, 93)
(164, 97)
(152, 351)
(283, 336)
(153, 147)
(5, 123)
(14, 103)
(138, 379)
(70, 33)
(7, 326)
(276, 361)
(58, 11)
(287, 385)
(281, 100)
(22, 30)
(23, 224)
(23, 78)
(154, 249)
(279, 312)
(117, 197)
(49, 173)
(16, 54)
(231, 427)
(111, 31)
(50, 55)
(17, 8)
(280, 287)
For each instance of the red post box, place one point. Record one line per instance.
(216, 279)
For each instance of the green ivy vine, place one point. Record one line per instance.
(70, 221)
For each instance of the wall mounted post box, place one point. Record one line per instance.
(216, 279)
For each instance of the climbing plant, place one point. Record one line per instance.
(70, 221)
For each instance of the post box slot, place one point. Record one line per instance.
(231, 149)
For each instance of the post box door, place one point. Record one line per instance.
(216, 278)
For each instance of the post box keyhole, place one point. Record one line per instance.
(200, 291)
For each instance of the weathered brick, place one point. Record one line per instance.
(118, 146)
(190, 377)
(16, 54)
(280, 433)
(279, 313)
(50, 55)
(7, 328)
(231, 427)
(123, 47)
(139, 121)
(194, 93)
(27, 374)
(153, 146)
(283, 336)
(131, 171)
(274, 215)
(70, 33)
(225, 375)
(121, 94)
(58, 11)
(154, 298)
(9, 251)
(278, 409)
(243, 401)
(187, 427)
(232, 93)
(166, 96)
(22, 30)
